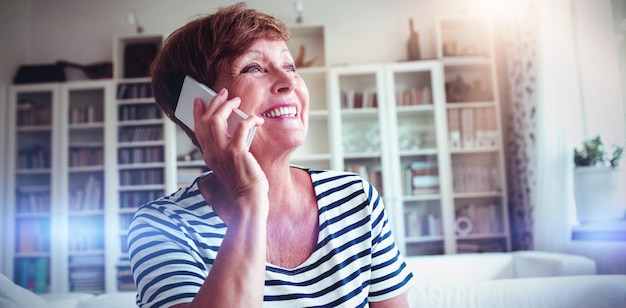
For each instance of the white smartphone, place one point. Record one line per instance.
(193, 89)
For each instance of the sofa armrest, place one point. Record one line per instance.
(543, 263)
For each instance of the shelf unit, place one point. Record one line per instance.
(443, 176)
(32, 187)
(57, 217)
(421, 205)
(358, 117)
(466, 49)
(140, 160)
(85, 219)
(411, 170)
(145, 165)
(82, 156)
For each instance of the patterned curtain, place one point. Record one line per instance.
(517, 32)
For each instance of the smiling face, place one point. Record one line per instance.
(265, 79)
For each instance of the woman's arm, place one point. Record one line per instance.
(237, 277)
(238, 274)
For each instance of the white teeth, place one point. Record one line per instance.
(281, 111)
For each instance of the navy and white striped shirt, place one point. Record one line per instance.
(174, 240)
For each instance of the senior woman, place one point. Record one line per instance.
(254, 230)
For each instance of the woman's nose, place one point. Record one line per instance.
(285, 82)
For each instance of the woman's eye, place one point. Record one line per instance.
(252, 68)
(290, 68)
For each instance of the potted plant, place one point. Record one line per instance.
(598, 189)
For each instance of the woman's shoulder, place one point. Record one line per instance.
(185, 199)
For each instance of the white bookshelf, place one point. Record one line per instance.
(466, 49)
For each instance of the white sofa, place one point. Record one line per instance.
(518, 279)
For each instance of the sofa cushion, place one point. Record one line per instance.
(14, 296)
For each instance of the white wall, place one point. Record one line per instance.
(14, 26)
(358, 30)
(599, 71)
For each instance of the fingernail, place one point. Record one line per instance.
(222, 91)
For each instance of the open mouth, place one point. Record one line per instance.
(280, 112)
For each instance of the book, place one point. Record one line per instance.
(454, 128)
(481, 128)
(467, 128)
(421, 177)
(412, 223)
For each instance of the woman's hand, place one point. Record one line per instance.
(226, 155)
(237, 275)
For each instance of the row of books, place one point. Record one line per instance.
(86, 261)
(373, 175)
(133, 199)
(141, 177)
(414, 96)
(86, 114)
(87, 197)
(139, 112)
(140, 155)
(351, 99)
(33, 235)
(34, 157)
(425, 248)
(86, 273)
(134, 90)
(421, 177)
(87, 281)
(140, 133)
(478, 219)
(475, 178)
(86, 156)
(29, 115)
(125, 281)
(471, 128)
(33, 274)
(418, 224)
(33, 199)
(480, 246)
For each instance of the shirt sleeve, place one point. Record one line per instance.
(390, 275)
(166, 265)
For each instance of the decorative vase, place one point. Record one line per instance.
(413, 45)
(599, 194)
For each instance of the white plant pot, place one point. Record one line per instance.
(599, 193)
